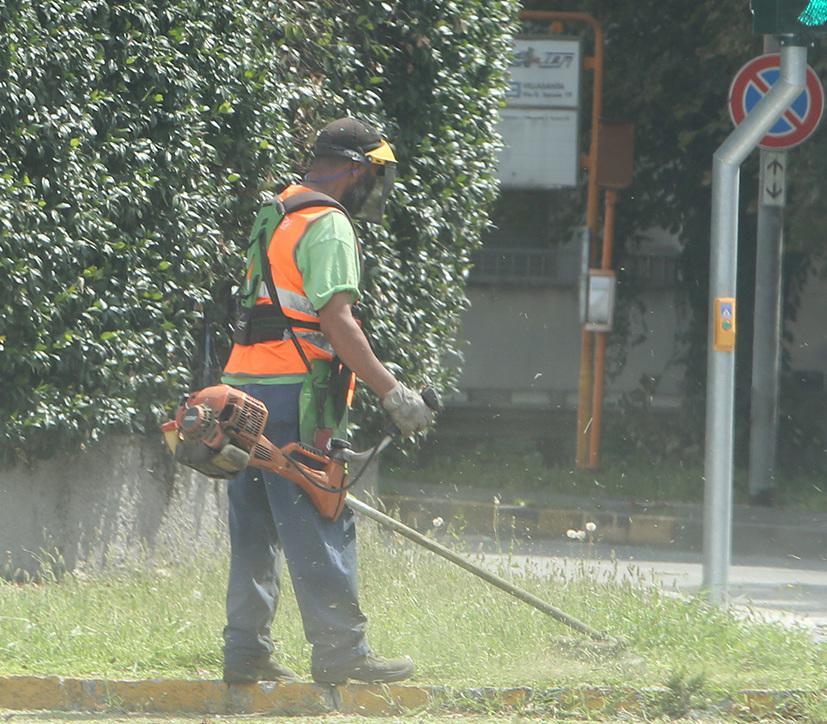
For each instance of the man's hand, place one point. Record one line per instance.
(407, 409)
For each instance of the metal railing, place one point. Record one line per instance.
(651, 270)
(526, 267)
(558, 267)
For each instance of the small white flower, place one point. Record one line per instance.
(437, 522)
(571, 533)
(591, 527)
(576, 534)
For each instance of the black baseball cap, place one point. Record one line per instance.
(348, 138)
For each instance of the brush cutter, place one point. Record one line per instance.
(219, 431)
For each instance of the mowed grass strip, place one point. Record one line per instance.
(163, 619)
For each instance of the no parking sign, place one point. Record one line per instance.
(798, 122)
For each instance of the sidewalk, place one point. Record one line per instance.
(756, 530)
(203, 697)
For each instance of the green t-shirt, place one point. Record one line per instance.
(329, 260)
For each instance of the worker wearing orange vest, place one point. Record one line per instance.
(297, 336)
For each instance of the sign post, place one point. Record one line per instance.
(720, 389)
(593, 62)
(767, 316)
(540, 124)
(795, 125)
(772, 183)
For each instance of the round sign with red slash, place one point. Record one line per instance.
(798, 122)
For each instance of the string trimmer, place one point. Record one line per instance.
(219, 431)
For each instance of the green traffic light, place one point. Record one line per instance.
(814, 14)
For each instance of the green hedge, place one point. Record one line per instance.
(135, 139)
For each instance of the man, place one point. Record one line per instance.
(315, 266)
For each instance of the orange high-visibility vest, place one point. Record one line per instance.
(280, 357)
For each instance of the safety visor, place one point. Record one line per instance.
(373, 209)
(382, 154)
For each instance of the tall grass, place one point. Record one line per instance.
(156, 618)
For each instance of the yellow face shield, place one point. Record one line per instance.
(382, 155)
(373, 209)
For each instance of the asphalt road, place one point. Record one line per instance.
(789, 589)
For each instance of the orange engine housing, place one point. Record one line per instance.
(219, 430)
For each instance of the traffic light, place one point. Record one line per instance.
(806, 18)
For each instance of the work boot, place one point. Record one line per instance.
(369, 668)
(253, 670)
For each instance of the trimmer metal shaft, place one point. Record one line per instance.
(493, 579)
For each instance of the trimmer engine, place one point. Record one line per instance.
(219, 431)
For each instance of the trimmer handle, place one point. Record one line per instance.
(431, 398)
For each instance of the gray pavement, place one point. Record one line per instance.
(779, 565)
(787, 589)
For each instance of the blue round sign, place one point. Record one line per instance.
(797, 123)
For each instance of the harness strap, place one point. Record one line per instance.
(308, 199)
(296, 202)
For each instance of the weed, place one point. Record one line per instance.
(683, 693)
(155, 618)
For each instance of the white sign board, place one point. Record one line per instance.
(773, 178)
(545, 73)
(600, 304)
(540, 125)
(540, 148)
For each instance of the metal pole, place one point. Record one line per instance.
(585, 411)
(491, 578)
(767, 321)
(600, 351)
(584, 397)
(720, 389)
(594, 63)
(766, 347)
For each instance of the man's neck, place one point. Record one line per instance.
(324, 188)
(334, 189)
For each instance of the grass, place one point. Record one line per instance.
(520, 469)
(55, 718)
(157, 619)
(524, 472)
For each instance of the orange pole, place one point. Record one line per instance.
(600, 350)
(594, 63)
(609, 229)
(584, 398)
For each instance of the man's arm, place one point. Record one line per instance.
(350, 343)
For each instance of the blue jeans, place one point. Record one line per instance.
(271, 518)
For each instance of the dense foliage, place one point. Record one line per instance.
(669, 65)
(135, 138)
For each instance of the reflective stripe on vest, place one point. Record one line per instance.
(290, 301)
(317, 339)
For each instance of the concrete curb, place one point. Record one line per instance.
(518, 521)
(183, 697)
(679, 530)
